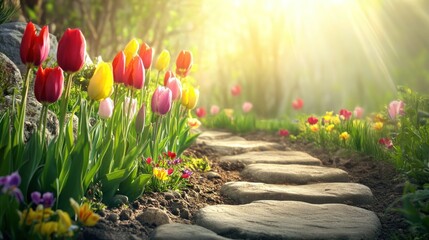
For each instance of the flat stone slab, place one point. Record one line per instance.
(177, 231)
(275, 157)
(289, 220)
(234, 145)
(351, 193)
(211, 135)
(292, 174)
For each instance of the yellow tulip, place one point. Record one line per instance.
(344, 136)
(84, 213)
(329, 127)
(314, 128)
(46, 228)
(163, 60)
(190, 97)
(64, 223)
(160, 173)
(378, 126)
(131, 50)
(101, 84)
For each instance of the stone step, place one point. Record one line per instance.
(289, 220)
(268, 157)
(214, 135)
(292, 174)
(236, 145)
(349, 193)
(177, 231)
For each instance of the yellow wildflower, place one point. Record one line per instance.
(46, 228)
(32, 216)
(378, 126)
(336, 119)
(327, 117)
(228, 112)
(160, 173)
(379, 118)
(64, 224)
(84, 213)
(344, 136)
(329, 127)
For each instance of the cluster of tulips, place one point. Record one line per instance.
(107, 152)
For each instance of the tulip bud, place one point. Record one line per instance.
(183, 63)
(146, 54)
(247, 106)
(71, 50)
(201, 112)
(190, 97)
(168, 74)
(214, 109)
(135, 74)
(396, 108)
(101, 84)
(140, 119)
(236, 90)
(48, 85)
(163, 60)
(297, 104)
(131, 50)
(105, 110)
(176, 88)
(119, 67)
(161, 100)
(34, 49)
(127, 109)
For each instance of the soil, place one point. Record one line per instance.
(380, 176)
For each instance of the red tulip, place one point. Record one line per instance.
(146, 53)
(201, 112)
(236, 90)
(312, 120)
(346, 114)
(283, 132)
(183, 63)
(161, 100)
(48, 85)
(135, 73)
(297, 104)
(119, 67)
(34, 49)
(71, 50)
(386, 142)
(169, 74)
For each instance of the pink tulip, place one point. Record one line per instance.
(247, 106)
(126, 106)
(161, 100)
(105, 110)
(297, 104)
(135, 73)
(140, 119)
(119, 67)
(236, 90)
(201, 112)
(176, 88)
(214, 109)
(396, 108)
(358, 112)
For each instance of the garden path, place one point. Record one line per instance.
(286, 195)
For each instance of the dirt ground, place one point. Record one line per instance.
(123, 222)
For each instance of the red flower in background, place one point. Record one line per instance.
(34, 48)
(386, 142)
(171, 155)
(236, 90)
(148, 160)
(346, 114)
(146, 54)
(201, 112)
(297, 103)
(169, 74)
(48, 85)
(118, 65)
(283, 132)
(312, 120)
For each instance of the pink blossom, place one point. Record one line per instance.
(297, 104)
(133, 110)
(345, 114)
(236, 90)
(358, 112)
(247, 106)
(214, 109)
(105, 110)
(396, 108)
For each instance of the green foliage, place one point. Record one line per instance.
(199, 164)
(7, 11)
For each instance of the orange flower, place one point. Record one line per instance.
(84, 213)
(183, 63)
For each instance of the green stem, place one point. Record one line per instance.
(45, 120)
(64, 103)
(23, 107)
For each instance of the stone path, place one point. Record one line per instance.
(286, 195)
